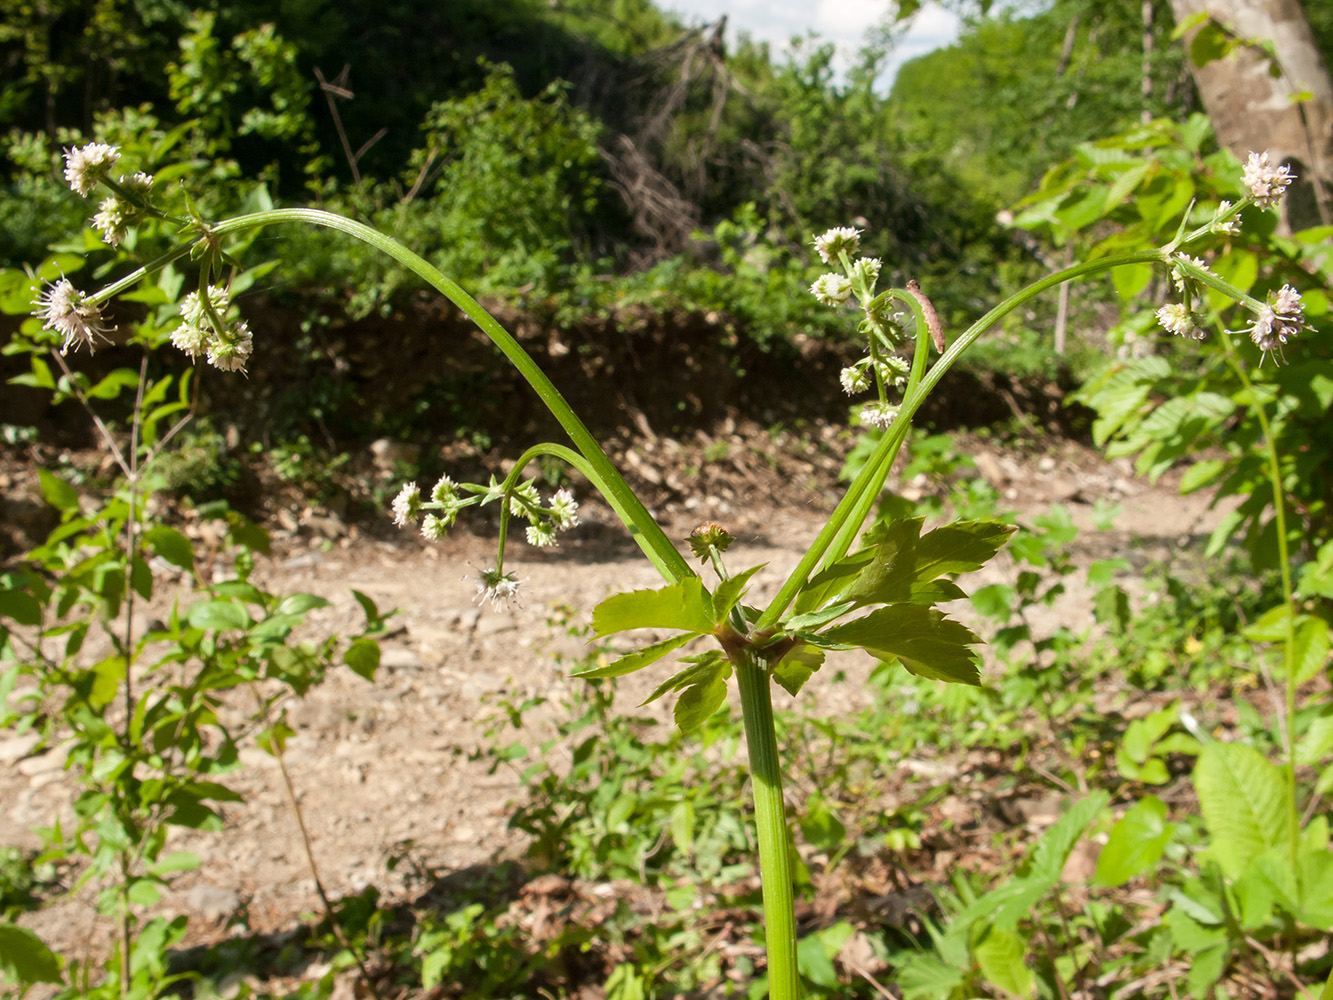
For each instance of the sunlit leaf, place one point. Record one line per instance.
(1244, 802)
(636, 660)
(1136, 842)
(685, 605)
(924, 640)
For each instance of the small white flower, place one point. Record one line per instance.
(433, 528)
(832, 289)
(192, 306)
(867, 270)
(1223, 226)
(406, 505)
(110, 221)
(831, 244)
(1265, 182)
(230, 353)
(65, 309)
(1178, 319)
(87, 165)
(525, 499)
(564, 509)
(116, 214)
(445, 491)
(1179, 277)
(501, 589)
(541, 534)
(191, 339)
(878, 415)
(894, 370)
(1279, 321)
(853, 380)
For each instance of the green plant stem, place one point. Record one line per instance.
(641, 525)
(1288, 594)
(859, 498)
(770, 817)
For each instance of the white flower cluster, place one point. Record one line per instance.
(1265, 182)
(90, 165)
(207, 330)
(881, 368)
(1278, 321)
(87, 166)
(72, 314)
(447, 498)
(1179, 319)
(120, 211)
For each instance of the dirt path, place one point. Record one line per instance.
(382, 769)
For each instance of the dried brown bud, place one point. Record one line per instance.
(933, 323)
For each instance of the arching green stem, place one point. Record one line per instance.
(860, 497)
(641, 525)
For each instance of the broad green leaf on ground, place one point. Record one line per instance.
(1048, 857)
(924, 640)
(685, 605)
(218, 616)
(1136, 843)
(1244, 802)
(637, 660)
(1000, 954)
(171, 545)
(24, 958)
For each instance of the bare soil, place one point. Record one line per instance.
(382, 770)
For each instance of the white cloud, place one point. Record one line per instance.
(842, 22)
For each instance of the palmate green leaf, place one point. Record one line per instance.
(924, 640)
(700, 668)
(699, 701)
(636, 660)
(1244, 802)
(685, 605)
(794, 669)
(730, 591)
(906, 567)
(831, 581)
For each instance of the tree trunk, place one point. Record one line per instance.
(1248, 94)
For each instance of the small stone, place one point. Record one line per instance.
(211, 902)
(18, 747)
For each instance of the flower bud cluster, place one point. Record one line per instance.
(207, 330)
(1265, 182)
(881, 368)
(1277, 320)
(447, 498)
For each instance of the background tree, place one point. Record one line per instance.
(1265, 84)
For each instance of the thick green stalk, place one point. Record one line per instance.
(1288, 597)
(770, 817)
(641, 525)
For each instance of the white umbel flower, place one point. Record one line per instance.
(1265, 182)
(832, 289)
(86, 165)
(406, 505)
(1279, 321)
(501, 589)
(230, 353)
(834, 242)
(564, 509)
(1178, 319)
(68, 311)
